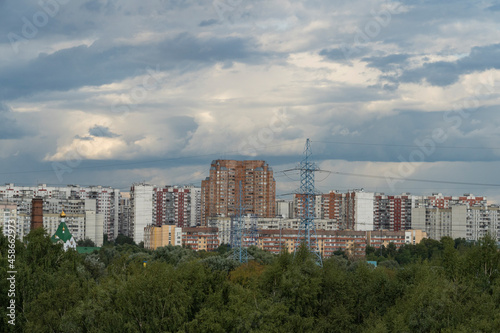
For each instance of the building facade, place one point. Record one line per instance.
(365, 211)
(352, 242)
(154, 205)
(8, 218)
(81, 217)
(458, 221)
(164, 235)
(200, 238)
(107, 199)
(220, 192)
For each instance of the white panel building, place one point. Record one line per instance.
(195, 206)
(8, 218)
(458, 221)
(107, 199)
(141, 202)
(284, 208)
(363, 211)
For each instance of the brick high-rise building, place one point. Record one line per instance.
(220, 192)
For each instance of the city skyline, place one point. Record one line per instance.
(250, 165)
(112, 93)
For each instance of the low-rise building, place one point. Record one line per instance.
(164, 235)
(201, 238)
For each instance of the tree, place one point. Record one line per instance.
(483, 260)
(450, 259)
(174, 255)
(223, 248)
(261, 256)
(87, 242)
(105, 240)
(122, 239)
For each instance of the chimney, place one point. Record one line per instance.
(36, 213)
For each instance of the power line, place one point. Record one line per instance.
(401, 178)
(401, 145)
(412, 179)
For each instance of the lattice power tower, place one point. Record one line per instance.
(307, 192)
(240, 252)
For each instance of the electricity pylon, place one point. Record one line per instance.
(307, 192)
(238, 233)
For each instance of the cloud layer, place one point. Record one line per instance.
(107, 87)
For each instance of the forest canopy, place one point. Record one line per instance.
(435, 286)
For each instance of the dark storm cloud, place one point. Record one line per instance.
(388, 62)
(181, 126)
(494, 8)
(24, 21)
(97, 64)
(328, 107)
(9, 128)
(96, 6)
(180, 131)
(12, 13)
(84, 138)
(344, 53)
(440, 73)
(411, 128)
(102, 132)
(443, 73)
(206, 23)
(188, 47)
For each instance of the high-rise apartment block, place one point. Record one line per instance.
(458, 221)
(173, 205)
(393, 212)
(365, 211)
(124, 214)
(220, 192)
(352, 210)
(284, 208)
(8, 217)
(154, 205)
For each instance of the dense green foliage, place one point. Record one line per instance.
(87, 242)
(435, 286)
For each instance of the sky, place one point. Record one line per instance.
(114, 92)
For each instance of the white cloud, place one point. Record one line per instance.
(226, 104)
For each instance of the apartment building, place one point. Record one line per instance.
(352, 242)
(353, 210)
(81, 217)
(458, 221)
(8, 217)
(164, 235)
(200, 238)
(107, 199)
(220, 192)
(151, 204)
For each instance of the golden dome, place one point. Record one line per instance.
(63, 214)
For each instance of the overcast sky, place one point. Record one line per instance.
(114, 92)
